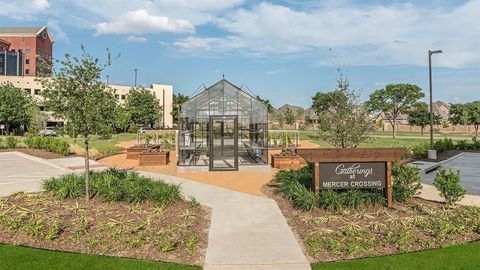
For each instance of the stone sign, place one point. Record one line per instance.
(352, 175)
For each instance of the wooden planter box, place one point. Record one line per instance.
(154, 158)
(287, 162)
(134, 151)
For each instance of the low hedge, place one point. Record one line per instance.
(51, 144)
(420, 150)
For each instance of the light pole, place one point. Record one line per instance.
(136, 77)
(431, 98)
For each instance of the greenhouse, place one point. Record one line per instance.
(223, 127)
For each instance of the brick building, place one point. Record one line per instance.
(32, 42)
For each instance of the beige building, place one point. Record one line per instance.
(164, 94)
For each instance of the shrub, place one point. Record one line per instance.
(331, 200)
(55, 145)
(133, 128)
(115, 185)
(448, 183)
(461, 145)
(1, 143)
(66, 186)
(419, 150)
(443, 145)
(11, 142)
(406, 182)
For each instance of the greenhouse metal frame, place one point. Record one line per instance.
(223, 127)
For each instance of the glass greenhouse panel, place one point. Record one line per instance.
(223, 127)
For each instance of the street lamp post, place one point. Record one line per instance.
(432, 153)
(136, 77)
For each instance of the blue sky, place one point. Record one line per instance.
(283, 50)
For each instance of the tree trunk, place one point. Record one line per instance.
(393, 129)
(87, 171)
(421, 128)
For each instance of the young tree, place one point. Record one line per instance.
(466, 114)
(267, 103)
(123, 118)
(14, 103)
(178, 100)
(76, 94)
(289, 117)
(280, 118)
(37, 119)
(420, 116)
(143, 106)
(394, 100)
(343, 121)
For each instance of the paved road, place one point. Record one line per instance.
(246, 231)
(469, 166)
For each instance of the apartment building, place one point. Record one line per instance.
(164, 94)
(23, 48)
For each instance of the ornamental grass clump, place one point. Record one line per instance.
(115, 185)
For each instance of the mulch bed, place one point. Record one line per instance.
(373, 231)
(176, 233)
(35, 152)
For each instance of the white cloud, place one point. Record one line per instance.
(140, 21)
(275, 71)
(135, 39)
(360, 35)
(41, 4)
(57, 32)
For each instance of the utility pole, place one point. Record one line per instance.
(108, 79)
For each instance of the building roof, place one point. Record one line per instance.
(23, 31)
(4, 41)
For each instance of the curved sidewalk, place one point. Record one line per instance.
(246, 232)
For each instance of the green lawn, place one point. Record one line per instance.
(384, 139)
(106, 147)
(458, 257)
(19, 258)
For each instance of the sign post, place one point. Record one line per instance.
(347, 168)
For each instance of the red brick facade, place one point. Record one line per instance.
(32, 46)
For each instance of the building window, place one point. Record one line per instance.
(37, 92)
(123, 97)
(27, 51)
(27, 61)
(27, 71)
(28, 91)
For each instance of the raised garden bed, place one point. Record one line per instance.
(134, 151)
(287, 160)
(154, 158)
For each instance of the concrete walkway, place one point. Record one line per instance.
(246, 232)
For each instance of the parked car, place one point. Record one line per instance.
(145, 129)
(48, 131)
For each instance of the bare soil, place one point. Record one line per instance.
(375, 230)
(35, 152)
(177, 232)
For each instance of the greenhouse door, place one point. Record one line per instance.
(223, 136)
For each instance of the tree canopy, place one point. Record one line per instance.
(267, 103)
(393, 100)
(289, 117)
(14, 104)
(466, 114)
(178, 100)
(419, 116)
(343, 121)
(143, 106)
